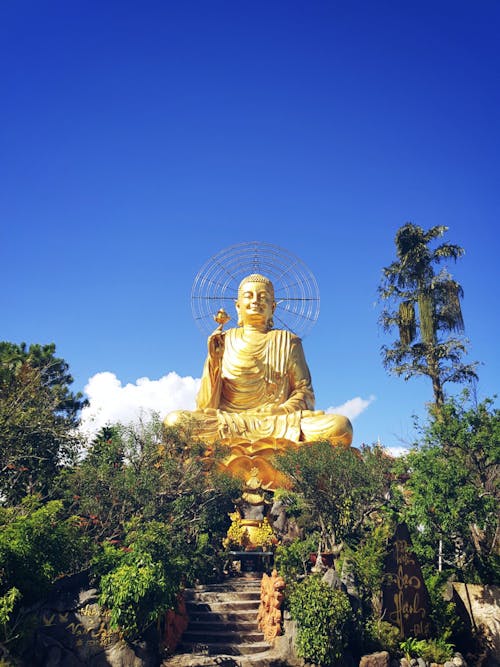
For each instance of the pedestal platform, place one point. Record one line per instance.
(252, 561)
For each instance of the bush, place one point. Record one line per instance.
(137, 592)
(366, 564)
(106, 558)
(323, 618)
(37, 544)
(382, 636)
(237, 535)
(431, 650)
(292, 560)
(7, 604)
(447, 624)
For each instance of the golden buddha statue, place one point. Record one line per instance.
(256, 385)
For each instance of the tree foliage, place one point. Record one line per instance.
(38, 542)
(341, 487)
(424, 305)
(143, 472)
(454, 488)
(38, 415)
(144, 508)
(137, 592)
(324, 617)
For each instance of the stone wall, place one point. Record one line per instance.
(69, 628)
(483, 606)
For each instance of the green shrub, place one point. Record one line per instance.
(137, 592)
(447, 624)
(138, 581)
(409, 647)
(365, 562)
(382, 636)
(323, 618)
(7, 604)
(37, 544)
(436, 650)
(291, 560)
(105, 559)
(431, 650)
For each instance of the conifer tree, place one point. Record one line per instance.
(38, 419)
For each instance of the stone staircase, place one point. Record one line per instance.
(222, 622)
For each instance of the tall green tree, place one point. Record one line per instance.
(147, 472)
(423, 303)
(38, 416)
(453, 489)
(339, 487)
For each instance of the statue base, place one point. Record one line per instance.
(250, 561)
(245, 456)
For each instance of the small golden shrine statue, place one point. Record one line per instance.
(249, 526)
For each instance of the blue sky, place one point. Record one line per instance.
(139, 139)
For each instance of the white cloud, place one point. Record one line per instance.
(352, 408)
(397, 451)
(111, 402)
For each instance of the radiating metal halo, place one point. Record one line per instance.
(295, 288)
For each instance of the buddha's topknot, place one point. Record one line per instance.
(256, 278)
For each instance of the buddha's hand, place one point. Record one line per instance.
(216, 345)
(273, 410)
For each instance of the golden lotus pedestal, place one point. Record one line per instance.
(248, 459)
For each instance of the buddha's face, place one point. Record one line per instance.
(255, 304)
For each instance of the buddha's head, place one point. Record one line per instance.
(255, 303)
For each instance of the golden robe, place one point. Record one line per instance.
(260, 387)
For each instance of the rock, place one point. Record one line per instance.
(126, 655)
(380, 659)
(482, 603)
(404, 662)
(421, 662)
(333, 580)
(88, 596)
(458, 660)
(70, 630)
(449, 663)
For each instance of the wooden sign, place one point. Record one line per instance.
(405, 600)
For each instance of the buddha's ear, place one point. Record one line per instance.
(240, 321)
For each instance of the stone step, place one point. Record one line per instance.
(247, 580)
(230, 585)
(222, 620)
(221, 636)
(245, 616)
(209, 627)
(221, 596)
(233, 605)
(222, 649)
(237, 585)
